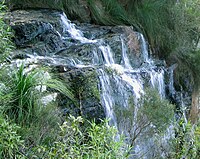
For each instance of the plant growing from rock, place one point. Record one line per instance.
(21, 95)
(149, 119)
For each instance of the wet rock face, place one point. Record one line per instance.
(49, 35)
(105, 67)
(36, 31)
(38, 37)
(83, 82)
(43, 32)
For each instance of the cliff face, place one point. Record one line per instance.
(107, 68)
(48, 37)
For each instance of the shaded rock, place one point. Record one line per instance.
(49, 39)
(84, 84)
(46, 32)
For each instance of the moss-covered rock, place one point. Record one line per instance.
(84, 84)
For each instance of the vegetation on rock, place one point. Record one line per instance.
(34, 130)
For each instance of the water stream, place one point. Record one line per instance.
(120, 83)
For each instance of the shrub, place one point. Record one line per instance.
(152, 110)
(6, 45)
(10, 141)
(185, 39)
(43, 129)
(186, 143)
(159, 112)
(93, 141)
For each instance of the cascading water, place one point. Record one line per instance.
(70, 28)
(172, 93)
(120, 83)
(144, 49)
(108, 57)
(125, 60)
(171, 80)
(157, 81)
(106, 97)
(157, 76)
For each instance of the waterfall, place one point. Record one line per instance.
(157, 81)
(125, 59)
(106, 96)
(183, 107)
(171, 80)
(172, 93)
(75, 33)
(144, 49)
(121, 85)
(107, 54)
(112, 74)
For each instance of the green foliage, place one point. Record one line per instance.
(197, 139)
(156, 110)
(152, 115)
(74, 141)
(189, 67)
(21, 102)
(152, 17)
(43, 129)
(10, 141)
(21, 94)
(20, 98)
(6, 45)
(185, 39)
(108, 12)
(186, 143)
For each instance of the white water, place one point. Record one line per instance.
(145, 49)
(157, 81)
(106, 97)
(107, 54)
(125, 59)
(121, 84)
(171, 80)
(75, 33)
(117, 95)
